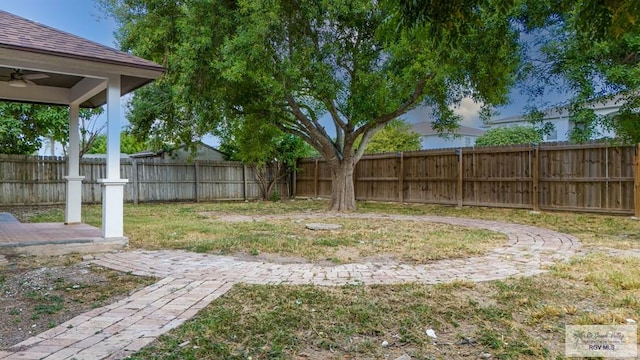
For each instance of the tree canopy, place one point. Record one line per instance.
(23, 126)
(129, 144)
(330, 72)
(591, 50)
(510, 136)
(396, 136)
(272, 153)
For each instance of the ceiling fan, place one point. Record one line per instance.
(20, 80)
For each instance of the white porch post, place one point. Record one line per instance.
(73, 204)
(113, 186)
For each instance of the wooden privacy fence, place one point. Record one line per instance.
(589, 178)
(30, 180)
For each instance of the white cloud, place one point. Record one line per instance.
(468, 109)
(470, 112)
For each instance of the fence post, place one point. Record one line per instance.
(401, 179)
(197, 180)
(459, 152)
(294, 182)
(636, 186)
(135, 183)
(315, 180)
(244, 181)
(535, 177)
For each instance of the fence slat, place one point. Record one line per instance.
(460, 178)
(637, 183)
(589, 177)
(535, 179)
(32, 180)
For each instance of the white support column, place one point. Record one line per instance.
(73, 204)
(113, 186)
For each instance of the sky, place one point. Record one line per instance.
(84, 18)
(78, 17)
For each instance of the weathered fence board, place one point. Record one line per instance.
(26, 180)
(590, 178)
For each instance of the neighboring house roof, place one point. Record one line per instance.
(609, 104)
(21, 34)
(199, 144)
(161, 153)
(102, 156)
(146, 154)
(425, 129)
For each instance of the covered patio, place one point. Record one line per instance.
(39, 64)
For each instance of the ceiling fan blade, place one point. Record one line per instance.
(35, 76)
(29, 82)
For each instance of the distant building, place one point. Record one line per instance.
(559, 117)
(182, 153)
(430, 139)
(102, 156)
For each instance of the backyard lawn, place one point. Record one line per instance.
(518, 318)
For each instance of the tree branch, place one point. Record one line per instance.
(365, 140)
(404, 107)
(315, 131)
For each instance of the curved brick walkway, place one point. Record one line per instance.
(190, 281)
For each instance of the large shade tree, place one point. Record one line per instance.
(331, 72)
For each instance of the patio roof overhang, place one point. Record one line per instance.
(77, 73)
(76, 68)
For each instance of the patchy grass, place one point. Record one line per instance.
(521, 318)
(594, 230)
(187, 226)
(37, 293)
(144, 222)
(406, 241)
(191, 227)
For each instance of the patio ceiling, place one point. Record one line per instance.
(76, 69)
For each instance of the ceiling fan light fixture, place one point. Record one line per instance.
(18, 83)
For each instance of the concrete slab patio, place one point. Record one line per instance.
(18, 238)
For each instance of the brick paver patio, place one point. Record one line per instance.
(18, 238)
(190, 281)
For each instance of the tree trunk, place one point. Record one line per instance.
(343, 196)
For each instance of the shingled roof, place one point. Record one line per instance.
(21, 34)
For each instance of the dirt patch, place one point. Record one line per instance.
(37, 294)
(26, 213)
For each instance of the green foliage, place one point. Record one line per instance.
(129, 144)
(397, 135)
(626, 125)
(22, 126)
(292, 64)
(591, 49)
(255, 143)
(510, 136)
(274, 154)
